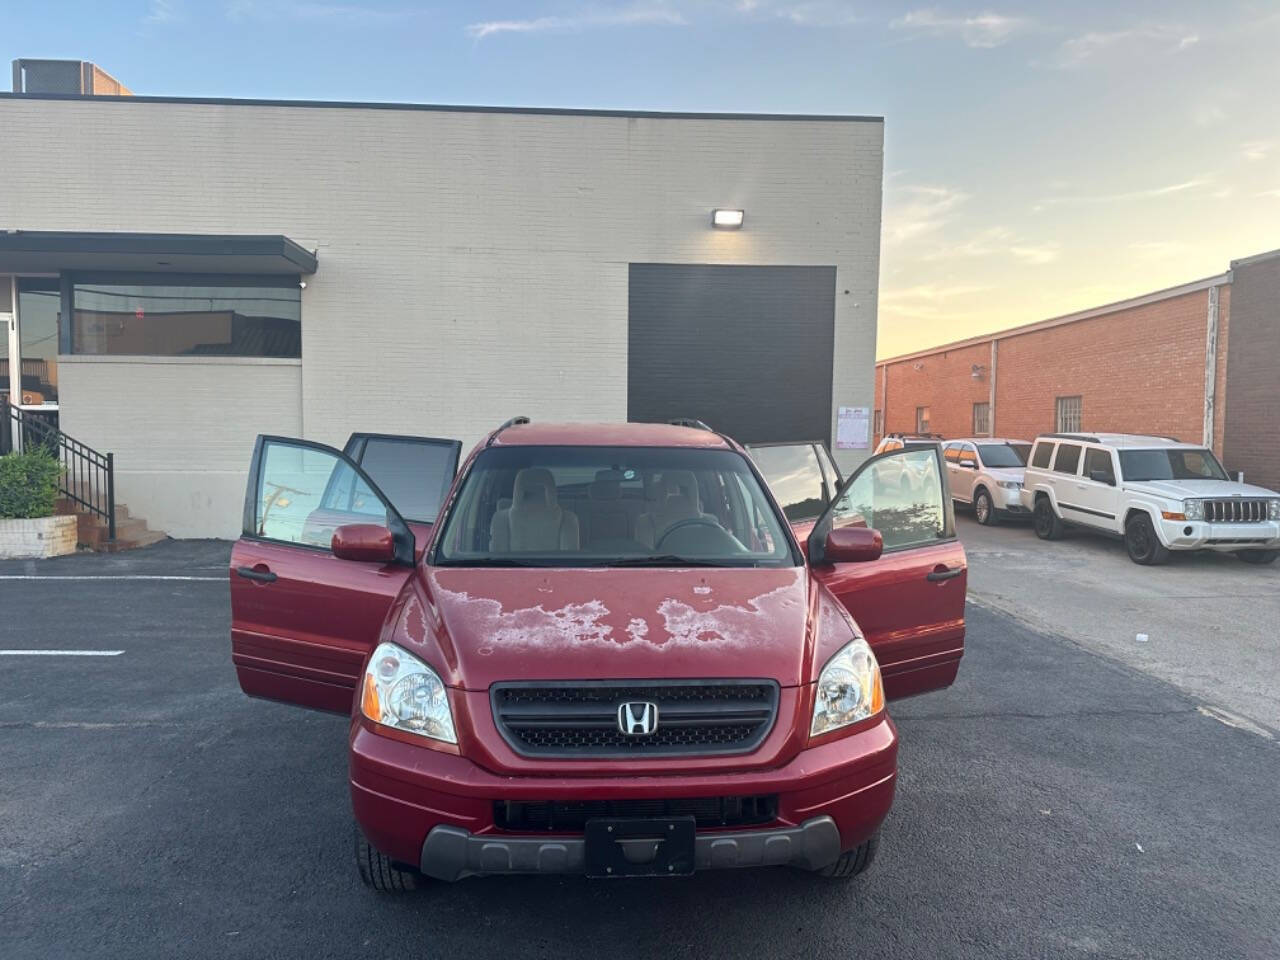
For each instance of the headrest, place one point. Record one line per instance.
(681, 483)
(534, 487)
(606, 486)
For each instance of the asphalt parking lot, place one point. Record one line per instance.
(1059, 801)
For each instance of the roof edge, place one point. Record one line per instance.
(448, 108)
(1089, 313)
(1255, 258)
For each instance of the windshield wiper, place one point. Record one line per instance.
(672, 560)
(491, 562)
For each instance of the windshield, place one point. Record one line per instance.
(1170, 465)
(1004, 454)
(612, 506)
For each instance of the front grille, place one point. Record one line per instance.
(1235, 510)
(580, 718)
(707, 812)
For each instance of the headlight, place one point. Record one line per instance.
(1193, 509)
(1273, 510)
(401, 691)
(849, 689)
(1009, 484)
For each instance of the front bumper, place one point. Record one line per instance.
(451, 853)
(1200, 535)
(403, 794)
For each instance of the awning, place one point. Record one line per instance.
(47, 251)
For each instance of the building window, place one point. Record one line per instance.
(877, 423)
(1068, 418)
(981, 419)
(922, 419)
(161, 318)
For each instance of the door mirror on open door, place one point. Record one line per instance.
(364, 542)
(853, 545)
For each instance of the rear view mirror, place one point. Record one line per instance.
(364, 542)
(1102, 476)
(852, 545)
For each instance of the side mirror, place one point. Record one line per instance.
(852, 545)
(1102, 476)
(364, 542)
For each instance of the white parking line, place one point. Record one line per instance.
(60, 653)
(127, 576)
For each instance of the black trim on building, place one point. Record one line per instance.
(52, 251)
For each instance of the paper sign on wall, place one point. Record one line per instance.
(852, 425)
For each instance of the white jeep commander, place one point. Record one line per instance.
(1157, 493)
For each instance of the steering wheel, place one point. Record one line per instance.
(687, 522)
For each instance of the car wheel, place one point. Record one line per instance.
(1258, 556)
(380, 872)
(1142, 543)
(983, 509)
(1047, 523)
(852, 862)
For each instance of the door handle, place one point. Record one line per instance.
(253, 573)
(940, 573)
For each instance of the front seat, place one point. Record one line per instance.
(535, 521)
(682, 502)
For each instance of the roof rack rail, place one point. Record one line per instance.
(690, 422)
(513, 422)
(1084, 437)
(902, 435)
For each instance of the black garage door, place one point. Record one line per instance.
(748, 350)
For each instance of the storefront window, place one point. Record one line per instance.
(167, 320)
(38, 305)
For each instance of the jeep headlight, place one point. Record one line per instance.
(401, 691)
(1273, 510)
(849, 689)
(1193, 509)
(1009, 484)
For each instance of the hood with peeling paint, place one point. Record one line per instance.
(484, 625)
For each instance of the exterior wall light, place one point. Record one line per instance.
(726, 219)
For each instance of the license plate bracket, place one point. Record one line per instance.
(639, 847)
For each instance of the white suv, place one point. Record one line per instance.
(986, 473)
(1157, 493)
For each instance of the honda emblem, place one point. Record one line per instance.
(638, 718)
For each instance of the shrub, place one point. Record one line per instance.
(28, 484)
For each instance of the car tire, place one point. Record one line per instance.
(1258, 556)
(984, 509)
(1047, 523)
(1142, 543)
(852, 862)
(380, 872)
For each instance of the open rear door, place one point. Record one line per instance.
(303, 622)
(910, 602)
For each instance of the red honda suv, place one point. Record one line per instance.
(601, 649)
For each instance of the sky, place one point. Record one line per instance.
(1039, 158)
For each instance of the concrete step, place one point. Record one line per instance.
(93, 532)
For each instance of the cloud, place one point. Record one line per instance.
(636, 15)
(160, 11)
(811, 13)
(1270, 193)
(348, 13)
(1151, 251)
(1170, 38)
(1164, 191)
(1256, 149)
(929, 301)
(984, 29)
(1035, 254)
(995, 242)
(925, 211)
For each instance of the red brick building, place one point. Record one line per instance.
(1200, 362)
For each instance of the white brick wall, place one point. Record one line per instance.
(473, 265)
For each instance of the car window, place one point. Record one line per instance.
(1044, 451)
(951, 451)
(1095, 458)
(303, 494)
(968, 456)
(641, 506)
(1004, 454)
(414, 475)
(795, 477)
(899, 495)
(1068, 458)
(1171, 464)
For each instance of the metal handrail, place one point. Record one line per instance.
(88, 477)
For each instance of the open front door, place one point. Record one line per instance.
(303, 621)
(910, 602)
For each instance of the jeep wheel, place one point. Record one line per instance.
(1142, 543)
(983, 509)
(380, 872)
(1258, 556)
(852, 862)
(1047, 523)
